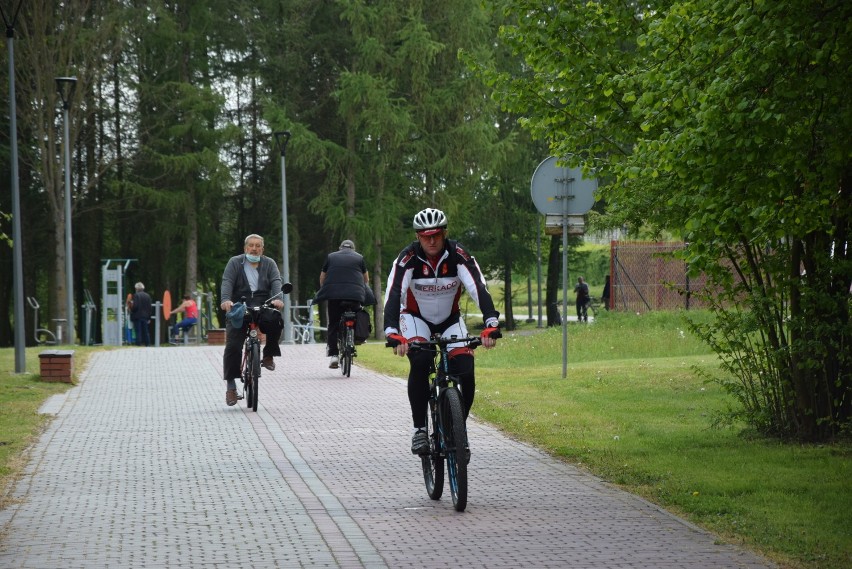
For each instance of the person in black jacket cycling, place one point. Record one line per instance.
(422, 298)
(343, 283)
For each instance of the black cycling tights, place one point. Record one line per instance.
(418, 383)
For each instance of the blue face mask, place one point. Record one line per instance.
(252, 258)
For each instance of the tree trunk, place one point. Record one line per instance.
(379, 315)
(507, 298)
(191, 243)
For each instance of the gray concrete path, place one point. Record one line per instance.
(145, 466)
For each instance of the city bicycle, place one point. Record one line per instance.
(250, 369)
(346, 337)
(446, 423)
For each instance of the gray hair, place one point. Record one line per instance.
(253, 236)
(347, 244)
(139, 286)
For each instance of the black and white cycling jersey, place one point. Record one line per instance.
(432, 291)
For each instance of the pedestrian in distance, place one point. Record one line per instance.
(583, 300)
(422, 298)
(254, 278)
(139, 305)
(190, 318)
(606, 293)
(344, 284)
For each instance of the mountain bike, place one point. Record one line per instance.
(346, 337)
(250, 370)
(446, 423)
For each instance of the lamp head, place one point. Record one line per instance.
(281, 140)
(66, 87)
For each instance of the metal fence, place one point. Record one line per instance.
(647, 276)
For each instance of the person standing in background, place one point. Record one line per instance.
(583, 299)
(139, 305)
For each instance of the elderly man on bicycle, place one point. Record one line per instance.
(254, 277)
(422, 298)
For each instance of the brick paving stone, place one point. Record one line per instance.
(145, 466)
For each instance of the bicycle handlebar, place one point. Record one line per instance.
(253, 312)
(472, 342)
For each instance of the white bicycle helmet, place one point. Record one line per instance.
(430, 219)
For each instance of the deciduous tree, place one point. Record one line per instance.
(729, 119)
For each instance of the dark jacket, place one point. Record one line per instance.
(344, 278)
(141, 309)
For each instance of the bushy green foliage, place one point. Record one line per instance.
(730, 121)
(593, 263)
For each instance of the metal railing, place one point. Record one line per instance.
(302, 318)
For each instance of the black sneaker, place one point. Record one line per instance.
(420, 442)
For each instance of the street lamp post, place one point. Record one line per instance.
(281, 140)
(66, 86)
(17, 242)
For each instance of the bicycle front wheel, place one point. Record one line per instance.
(455, 442)
(246, 376)
(433, 463)
(254, 368)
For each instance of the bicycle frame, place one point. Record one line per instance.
(250, 367)
(440, 381)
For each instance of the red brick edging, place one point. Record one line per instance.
(57, 365)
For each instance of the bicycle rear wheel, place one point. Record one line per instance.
(254, 375)
(346, 354)
(455, 441)
(433, 463)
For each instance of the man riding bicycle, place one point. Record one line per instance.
(344, 283)
(254, 277)
(422, 298)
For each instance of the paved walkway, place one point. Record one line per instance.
(145, 466)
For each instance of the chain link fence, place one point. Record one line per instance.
(646, 276)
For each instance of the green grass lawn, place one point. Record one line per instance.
(633, 411)
(21, 394)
